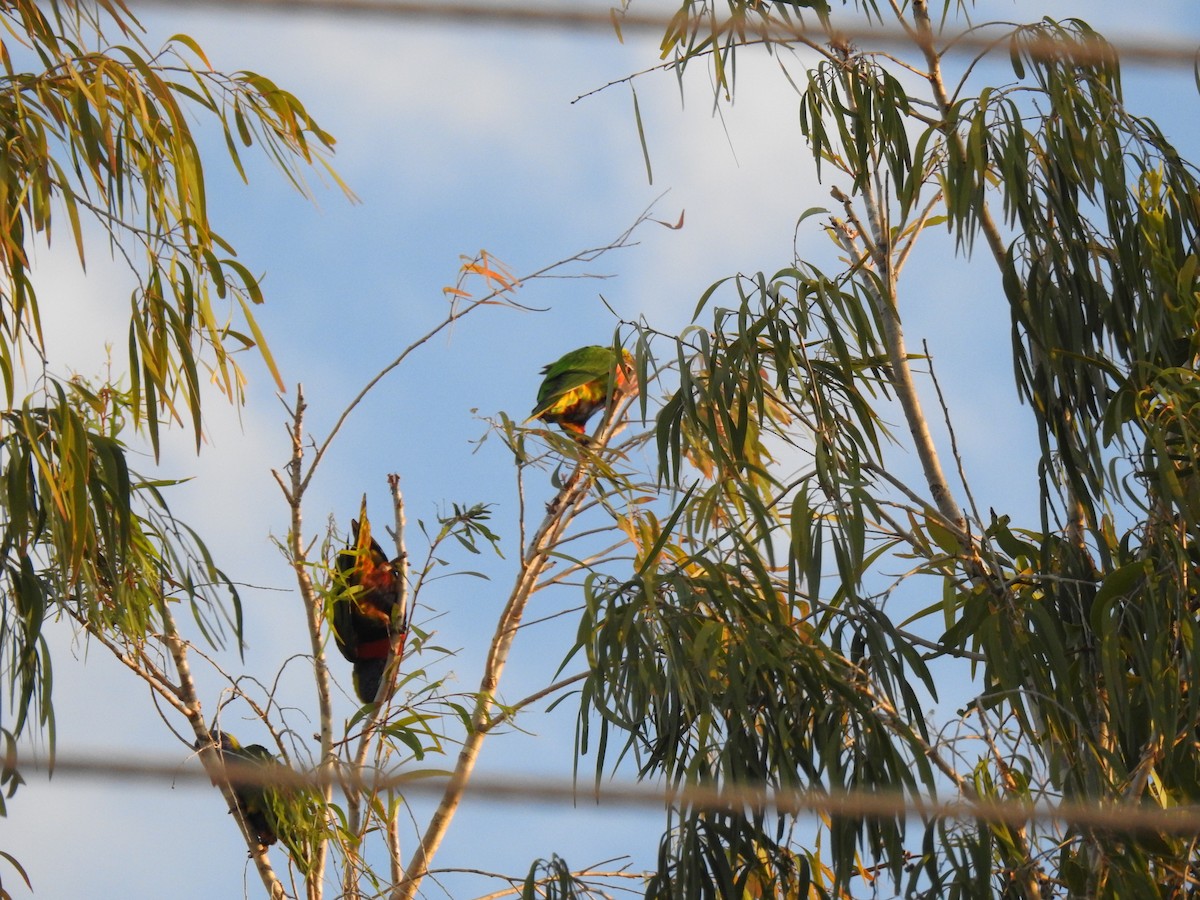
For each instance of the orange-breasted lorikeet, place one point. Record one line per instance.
(364, 608)
(582, 383)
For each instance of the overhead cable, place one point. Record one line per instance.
(1124, 818)
(1156, 50)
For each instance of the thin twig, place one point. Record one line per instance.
(490, 299)
(509, 711)
(313, 618)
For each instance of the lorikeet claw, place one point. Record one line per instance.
(582, 383)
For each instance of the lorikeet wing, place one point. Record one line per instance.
(362, 611)
(293, 814)
(582, 383)
(257, 801)
(364, 607)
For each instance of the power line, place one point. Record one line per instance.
(1159, 50)
(1121, 818)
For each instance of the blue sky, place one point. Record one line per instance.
(457, 139)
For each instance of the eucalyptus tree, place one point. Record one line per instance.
(752, 643)
(103, 137)
(102, 151)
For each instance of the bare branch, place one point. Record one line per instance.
(510, 711)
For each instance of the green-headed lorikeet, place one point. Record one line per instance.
(364, 607)
(582, 383)
(272, 812)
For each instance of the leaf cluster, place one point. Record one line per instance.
(99, 136)
(752, 641)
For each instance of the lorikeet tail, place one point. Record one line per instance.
(369, 669)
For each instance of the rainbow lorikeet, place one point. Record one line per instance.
(582, 383)
(271, 812)
(363, 609)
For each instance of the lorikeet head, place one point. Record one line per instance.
(225, 741)
(582, 383)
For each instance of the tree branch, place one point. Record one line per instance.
(561, 511)
(314, 617)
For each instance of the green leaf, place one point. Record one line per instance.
(637, 117)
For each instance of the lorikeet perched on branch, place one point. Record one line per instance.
(364, 608)
(251, 799)
(582, 383)
(272, 812)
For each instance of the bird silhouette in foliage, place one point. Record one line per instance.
(582, 383)
(366, 609)
(252, 800)
(271, 812)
